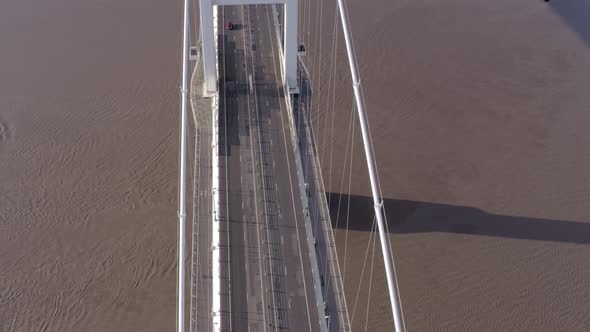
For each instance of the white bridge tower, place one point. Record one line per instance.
(288, 57)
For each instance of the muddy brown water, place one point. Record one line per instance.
(88, 155)
(478, 110)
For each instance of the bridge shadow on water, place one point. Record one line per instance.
(406, 217)
(576, 13)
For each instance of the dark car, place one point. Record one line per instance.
(229, 25)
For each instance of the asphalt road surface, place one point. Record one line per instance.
(266, 273)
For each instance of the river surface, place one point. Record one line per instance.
(88, 164)
(479, 114)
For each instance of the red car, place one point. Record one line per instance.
(229, 25)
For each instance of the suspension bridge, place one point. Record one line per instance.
(251, 192)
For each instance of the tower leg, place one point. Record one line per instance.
(208, 46)
(290, 44)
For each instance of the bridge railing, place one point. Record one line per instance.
(329, 268)
(201, 278)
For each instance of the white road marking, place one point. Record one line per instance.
(255, 195)
(226, 173)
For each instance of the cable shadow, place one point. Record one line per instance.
(575, 13)
(422, 217)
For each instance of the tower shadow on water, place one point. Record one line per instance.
(576, 13)
(406, 217)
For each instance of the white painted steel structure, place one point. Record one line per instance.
(208, 14)
(289, 53)
(215, 229)
(377, 199)
(182, 173)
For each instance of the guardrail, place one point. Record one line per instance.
(215, 242)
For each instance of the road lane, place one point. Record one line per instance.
(267, 272)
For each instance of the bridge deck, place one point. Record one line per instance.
(266, 277)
